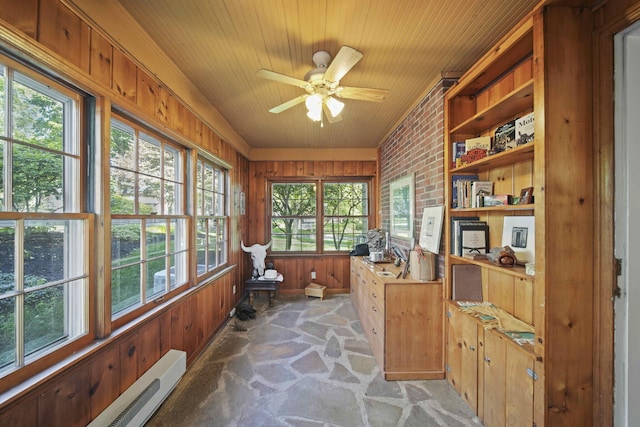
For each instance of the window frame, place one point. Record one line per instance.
(220, 216)
(319, 215)
(147, 301)
(78, 279)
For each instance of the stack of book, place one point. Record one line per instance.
(468, 191)
(469, 237)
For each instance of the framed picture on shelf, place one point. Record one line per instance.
(431, 229)
(526, 196)
(401, 199)
(473, 239)
(519, 233)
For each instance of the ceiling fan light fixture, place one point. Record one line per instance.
(316, 116)
(334, 106)
(314, 103)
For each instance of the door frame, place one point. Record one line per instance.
(610, 19)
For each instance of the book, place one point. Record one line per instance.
(459, 192)
(481, 142)
(457, 226)
(525, 129)
(457, 150)
(480, 189)
(466, 282)
(473, 238)
(504, 137)
(452, 229)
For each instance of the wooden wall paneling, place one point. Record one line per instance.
(100, 59)
(502, 88)
(174, 114)
(163, 105)
(164, 324)
(523, 300)
(66, 403)
(128, 349)
(148, 93)
(23, 15)
(338, 168)
(105, 379)
(21, 414)
(64, 32)
(190, 327)
(177, 330)
(501, 290)
(124, 75)
(523, 72)
(149, 345)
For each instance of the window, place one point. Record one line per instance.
(295, 215)
(148, 226)
(211, 231)
(44, 285)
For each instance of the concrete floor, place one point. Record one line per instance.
(303, 363)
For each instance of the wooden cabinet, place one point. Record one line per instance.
(402, 319)
(537, 67)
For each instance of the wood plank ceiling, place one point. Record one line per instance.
(220, 44)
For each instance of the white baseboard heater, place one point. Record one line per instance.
(139, 402)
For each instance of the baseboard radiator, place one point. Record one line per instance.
(139, 402)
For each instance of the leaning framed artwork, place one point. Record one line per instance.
(519, 233)
(401, 204)
(431, 229)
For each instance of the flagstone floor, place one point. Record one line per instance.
(303, 362)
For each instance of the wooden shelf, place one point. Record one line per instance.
(528, 207)
(517, 271)
(518, 100)
(518, 154)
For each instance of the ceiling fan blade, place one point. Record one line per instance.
(291, 103)
(362, 93)
(346, 58)
(282, 78)
(328, 115)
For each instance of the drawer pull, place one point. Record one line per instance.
(373, 294)
(373, 308)
(373, 331)
(472, 348)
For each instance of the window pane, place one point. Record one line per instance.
(7, 254)
(172, 164)
(122, 147)
(169, 198)
(179, 269)
(345, 199)
(125, 288)
(37, 178)
(293, 199)
(122, 190)
(208, 203)
(44, 322)
(208, 178)
(7, 330)
(219, 205)
(149, 198)
(340, 233)
(149, 156)
(37, 118)
(293, 234)
(156, 238)
(125, 242)
(201, 241)
(2, 167)
(44, 252)
(157, 276)
(178, 235)
(3, 82)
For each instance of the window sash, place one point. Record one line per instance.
(324, 231)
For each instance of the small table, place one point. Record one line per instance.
(253, 285)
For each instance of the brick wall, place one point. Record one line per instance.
(416, 147)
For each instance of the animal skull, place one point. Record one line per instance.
(258, 254)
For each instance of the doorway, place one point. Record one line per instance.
(627, 228)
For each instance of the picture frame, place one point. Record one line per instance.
(518, 232)
(526, 196)
(431, 229)
(401, 206)
(473, 239)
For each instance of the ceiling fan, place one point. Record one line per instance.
(323, 83)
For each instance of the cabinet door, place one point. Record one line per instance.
(469, 362)
(353, 279)
(494, 380)
(454, 348)
(519, 387)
